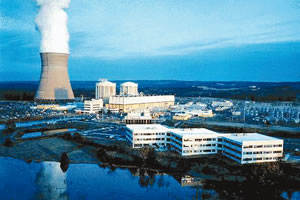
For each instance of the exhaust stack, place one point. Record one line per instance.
(54, 81)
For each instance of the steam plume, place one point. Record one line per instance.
(51, 21)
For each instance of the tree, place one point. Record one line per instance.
(64, 162)
(8, 142)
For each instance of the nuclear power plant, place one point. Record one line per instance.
(54, 81)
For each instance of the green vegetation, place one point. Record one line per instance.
(11, 127)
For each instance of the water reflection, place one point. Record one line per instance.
(51, 182)
(89, 181)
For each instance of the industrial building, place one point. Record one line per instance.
(93, 106)
(129, 89)
(242, 148)
(105, 89)
(138, 118)
(135, 103)
(182, 117)
(54, 80)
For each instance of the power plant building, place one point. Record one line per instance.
(136, 103)
(93, 106)
(241, 147)
(105, 89)
(129, 89)
(54, 80)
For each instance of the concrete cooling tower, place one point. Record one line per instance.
(54, 80)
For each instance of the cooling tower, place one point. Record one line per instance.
(54, 80)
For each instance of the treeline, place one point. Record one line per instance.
(269, 94)
(18, 96)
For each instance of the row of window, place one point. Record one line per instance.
(176, 142)
(232, 149)
(205, 139)
(266, 158)
(200, 145)
(199, 151)
(232, 156)
(261, 152)
(149, 134)
(261, 146)
(149, 139)
(234, 144)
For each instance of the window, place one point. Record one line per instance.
(247, 147)
(277, 145)
(247, 159)
(277, 151)
(247, 153)
(258, 146)
(267, 146)
(268, 158)
(267, 152)
(198, 140)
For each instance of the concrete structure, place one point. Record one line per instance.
(138, 118)
(148, 135)
(198, 141)
(129, 89)
(222, 104)
(201, 113)
(252, 147)
(137, 103)
(54, 80)
(105, 89)
(181, 117)
(242, 148)
(93, 106)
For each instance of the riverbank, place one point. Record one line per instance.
(214, 170)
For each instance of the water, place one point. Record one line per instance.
(46, 180)
(38, 122)
(31, 123)
(44, 133)
(2, 126)
(32, 135)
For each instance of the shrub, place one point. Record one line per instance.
(8, 142)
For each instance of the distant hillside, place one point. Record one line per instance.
(258, 91)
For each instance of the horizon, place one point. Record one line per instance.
(162, 80)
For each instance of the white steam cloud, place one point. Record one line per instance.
(51, 21)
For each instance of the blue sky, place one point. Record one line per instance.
(212, 40)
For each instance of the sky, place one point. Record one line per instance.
(207, 40)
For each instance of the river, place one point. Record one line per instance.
(46, 180)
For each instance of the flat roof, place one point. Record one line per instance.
(146, 127)
(245, 137)
(193, 131)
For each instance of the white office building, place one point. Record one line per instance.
(242, 148)
(252, 147)
(198, 141)
(143, 135)
(129, 89)
(93, 106)
(105, 89)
